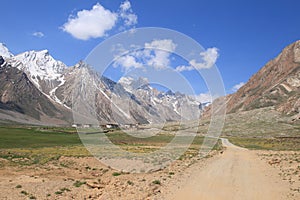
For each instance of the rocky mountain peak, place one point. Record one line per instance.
(297, 52)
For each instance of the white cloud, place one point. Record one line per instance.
(126, 13)
(92, 23)
(184, 68)
(98, 21)
(237, 86)
(125, 6)
(162, 50)
(155, 54)
(38, 34)
(209, 58)
(160, 60)
(165, 45)
(127, 62)
(130, 19)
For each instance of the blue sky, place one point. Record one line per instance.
(247, 33)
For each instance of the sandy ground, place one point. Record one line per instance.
(57, 180)
(236, 174)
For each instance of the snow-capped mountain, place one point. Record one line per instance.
(43, 70)
(21, 101)
(169, 106)
(126, 102)
(41, 65)
(4, 51)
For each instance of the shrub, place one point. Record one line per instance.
(130, 183)
(157, 182)
(79, 183)
(116, 174)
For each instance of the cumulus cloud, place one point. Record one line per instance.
(127, 62)
(38, 34)
(92, 23)
(125, 6)
(98, 21)
(126, 13)
(208, 57)
(161, 53)
(237, 86)
(154, 54)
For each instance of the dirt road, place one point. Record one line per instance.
(236, 174)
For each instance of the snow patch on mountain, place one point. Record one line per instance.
(4, 51)
(126, 83)
(174, 104)
(130, 84)
(41, 65)
(53, 96)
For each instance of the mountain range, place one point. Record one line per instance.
(37, 89)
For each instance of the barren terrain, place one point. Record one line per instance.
(234, 173)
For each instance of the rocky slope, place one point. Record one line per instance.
(19, 94)
(276, 84)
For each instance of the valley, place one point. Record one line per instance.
(51, 163)
(67, 132)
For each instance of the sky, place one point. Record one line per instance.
(238, 36)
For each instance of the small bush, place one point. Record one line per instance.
(58, 192)
(157, 182)
(24, 192)
(19, 186)
(116, 174)
(65, 189)
(130, 183)
(79, 183)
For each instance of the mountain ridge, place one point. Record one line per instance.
(276, 84)
(57, 82)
